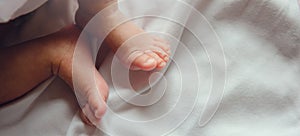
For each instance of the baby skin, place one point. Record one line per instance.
(133, 47)
(137, 51)
(34, 61)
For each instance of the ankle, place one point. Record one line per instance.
(61, 53)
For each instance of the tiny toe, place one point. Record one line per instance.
(97, 104)
(160, 61)
(155, 56)
(166, 58)
(144, 62)
(162, 55)
(85, 119)
(161, 65)
(90, 115)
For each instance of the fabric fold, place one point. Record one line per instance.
(11, 9)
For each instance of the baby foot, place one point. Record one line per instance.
(137, 49)
(80, 73)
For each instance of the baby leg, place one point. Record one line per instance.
(26, 65)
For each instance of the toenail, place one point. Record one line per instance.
(150, 61)
(162, 64)
(98, 114)
(166, 58)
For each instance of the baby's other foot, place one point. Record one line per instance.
(78, 70)
(137, 49)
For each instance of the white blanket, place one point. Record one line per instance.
(261, 43)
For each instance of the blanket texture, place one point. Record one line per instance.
(260, 40)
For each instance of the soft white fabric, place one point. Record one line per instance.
(10, 9)
(261, 42)
(48, 18)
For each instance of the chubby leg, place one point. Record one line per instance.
(143, 51)
(26, 65)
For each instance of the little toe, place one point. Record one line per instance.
(85, 119)
(144, 62)
(97, 105)
(163, 55)
(161, 65)
(90, 115)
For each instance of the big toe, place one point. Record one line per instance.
(144, 62)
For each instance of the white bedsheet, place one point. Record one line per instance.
(261, 42)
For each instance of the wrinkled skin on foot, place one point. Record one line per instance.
(90, 88)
